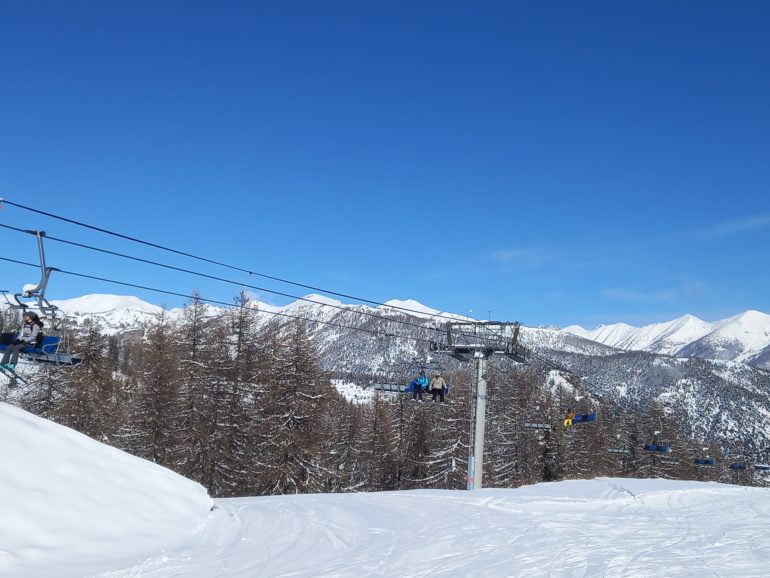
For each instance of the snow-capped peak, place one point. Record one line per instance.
(103, 303)
(411, 306)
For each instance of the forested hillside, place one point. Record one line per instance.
(246, 406)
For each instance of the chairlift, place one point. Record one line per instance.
(32, 298)
(585, 417)
(581, 418)
(621, 451)
(400, 380)
(584, 414)
(656, 445)
(537, 426)
(704, 461)
(736, 460)
(762, 468)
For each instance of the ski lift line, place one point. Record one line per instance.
(221, 279)
(214, 262)
(223, 303)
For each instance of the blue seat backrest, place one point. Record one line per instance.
(50, 345)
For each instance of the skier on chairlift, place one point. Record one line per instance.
(27, 337)
(437, 386)
(569, 417)
(418, 385)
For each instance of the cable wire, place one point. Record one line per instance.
(214, 262)
(229, 305)
(216, 278)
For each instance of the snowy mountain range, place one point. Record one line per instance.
(744, 338)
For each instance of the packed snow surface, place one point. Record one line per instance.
(70, 506)
(74, 507)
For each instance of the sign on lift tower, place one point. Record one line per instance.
(478, 341)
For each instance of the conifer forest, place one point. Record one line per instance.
(246, 408)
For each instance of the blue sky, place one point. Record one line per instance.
(546, 162)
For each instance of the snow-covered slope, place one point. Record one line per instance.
(740, 338)
(113, 312)
(70, 505)
(601, 527)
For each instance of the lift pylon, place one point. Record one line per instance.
(478, 341)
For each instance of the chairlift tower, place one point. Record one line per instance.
(478, 341)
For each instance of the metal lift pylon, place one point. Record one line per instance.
(479, 341)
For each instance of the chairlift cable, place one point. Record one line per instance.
(215, 262)
(224, 304)
(341, 307)
(222, 279)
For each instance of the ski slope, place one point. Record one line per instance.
(159, 524)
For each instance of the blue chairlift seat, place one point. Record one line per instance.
(657, 448)
(50, 345)
(583, 418)
(704, 461)
(737, 466)
(762, 467)
(417, 382)
(48, 352)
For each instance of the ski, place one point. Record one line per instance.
(12, 377)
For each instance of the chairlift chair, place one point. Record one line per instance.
(668, 462)
(537, 426)
(620, 450)
(704, 461)
(661, 446)
(32, 298)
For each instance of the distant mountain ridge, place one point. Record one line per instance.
(744, 338)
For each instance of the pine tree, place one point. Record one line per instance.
(293, 405)
(194, 417)
(83, 397)
(158, 394)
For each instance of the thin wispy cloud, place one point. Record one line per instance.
(523, 257)
(635, 296)
(734, 227)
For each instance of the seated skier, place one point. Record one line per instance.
(418, 386)
(27, 337)
(437, 386)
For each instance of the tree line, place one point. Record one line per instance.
(246, 408)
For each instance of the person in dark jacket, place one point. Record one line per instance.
(27, 337)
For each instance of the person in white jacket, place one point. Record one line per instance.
(437, 386)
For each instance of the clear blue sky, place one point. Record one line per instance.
(550, 162)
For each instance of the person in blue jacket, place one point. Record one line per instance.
(418, 386)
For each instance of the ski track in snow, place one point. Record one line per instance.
(606, 527)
